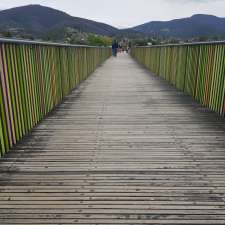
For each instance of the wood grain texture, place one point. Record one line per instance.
(124, 148)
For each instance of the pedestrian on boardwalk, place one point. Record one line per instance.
(114, 48)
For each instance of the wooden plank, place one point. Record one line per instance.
(124, 148)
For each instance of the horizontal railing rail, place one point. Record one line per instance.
(23, 41)
(198, 69)
(34, 79)
(185, 44)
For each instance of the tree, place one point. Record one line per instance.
(6, 34)
(97, 40)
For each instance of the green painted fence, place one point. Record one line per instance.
(34, 78)
(196, 69)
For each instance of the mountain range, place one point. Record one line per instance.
(195, 26)
(37, 20)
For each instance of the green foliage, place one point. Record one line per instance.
(26, 36)
(140, 42)
(98, 40)
(202, 39)
(6, 34)
(74, 36)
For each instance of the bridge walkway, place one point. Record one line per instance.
(124, 148)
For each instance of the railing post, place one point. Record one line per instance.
(196, 67)
(34, 78)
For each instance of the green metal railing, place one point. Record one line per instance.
(197, 69)
(34, 78)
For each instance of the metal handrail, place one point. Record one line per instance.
(22, 41)
(184, 44)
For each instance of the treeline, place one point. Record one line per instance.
(161, 40)
(63, 35)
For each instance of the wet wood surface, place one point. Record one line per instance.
(124, 148)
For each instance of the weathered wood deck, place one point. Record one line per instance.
(125, 148)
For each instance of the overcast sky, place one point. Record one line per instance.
(127, 13)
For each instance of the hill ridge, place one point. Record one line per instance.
(194, 26)
(38, 21)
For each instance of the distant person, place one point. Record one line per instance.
(114, 48)
(129, 47)
(120, 48)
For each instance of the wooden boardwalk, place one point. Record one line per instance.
(124, 148)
